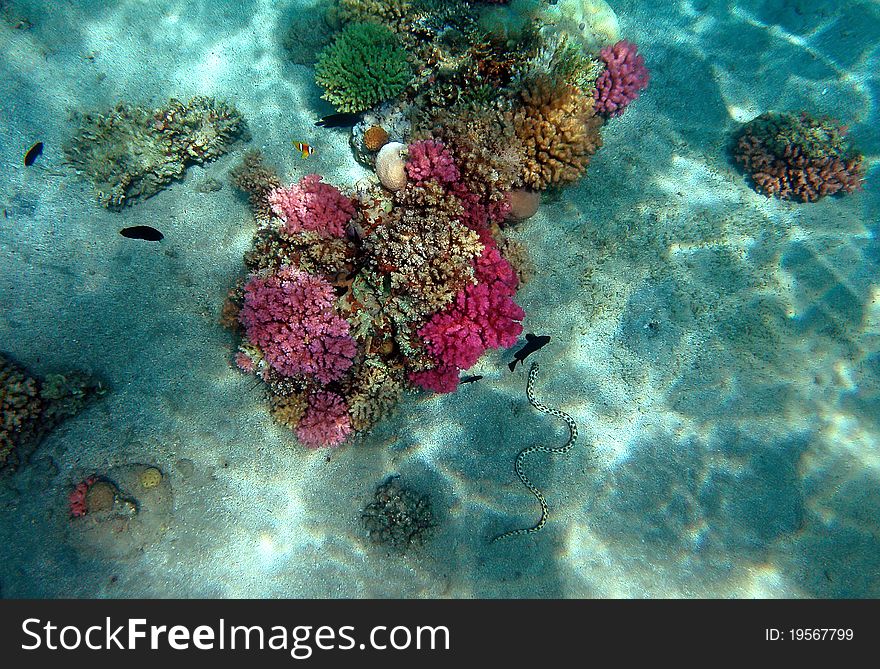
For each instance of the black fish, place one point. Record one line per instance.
(341, 120)
(533, 343)
(32, 154)
(142, 232)
(469, 379)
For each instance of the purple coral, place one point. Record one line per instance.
(440, 379)
(624, 76)
(289, 316)
(482, 316)
(312, 205)
(430, 159)
(325, 422)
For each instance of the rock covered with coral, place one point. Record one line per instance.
(798, 156)
(398, 517)
(354, 296)
(30, 407)
(131, 153)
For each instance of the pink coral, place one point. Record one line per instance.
(289, 316)
(441, 379)
(482, 316)
(624, 76)
(429, 159)
(77, 498)
(312, 205)
(325, 422)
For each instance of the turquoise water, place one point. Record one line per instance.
(717, 349)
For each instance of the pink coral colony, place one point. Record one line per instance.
(624, 76)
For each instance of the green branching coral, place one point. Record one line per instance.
(363, 66)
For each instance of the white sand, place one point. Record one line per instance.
(734, 450)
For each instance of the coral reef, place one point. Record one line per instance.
(398, 517)
(31, 407)
(131, 153)
(798, 156)
(624, 76)
(354, 297)
(559, 132)
(364, 65)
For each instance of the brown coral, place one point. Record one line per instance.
(256, 179)
(375, 391)
(559, 131)
(423, 248)
(798, 157)
(375, 138)
(20, 408)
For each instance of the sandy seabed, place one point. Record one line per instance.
(718, 349)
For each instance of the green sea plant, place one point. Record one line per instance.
(364, 65)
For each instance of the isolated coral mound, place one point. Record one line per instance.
(325, 421)
(624, 76)
(131, 153)
(798, 156)
(312, 205)
(364, 65)
(559, 131)
(289, 316)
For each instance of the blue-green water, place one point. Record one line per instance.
(718, 349)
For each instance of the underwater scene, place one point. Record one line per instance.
(439, 299)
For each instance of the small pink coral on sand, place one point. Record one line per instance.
(77, 498)
(624, 76)
(481, 317)
(429, 159)
(325, 422)
(289, 316)
(312, 205)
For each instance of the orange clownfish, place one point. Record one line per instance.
(304, 148)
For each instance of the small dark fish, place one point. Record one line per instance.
(469, 379)
(142, 232)
(32, 154)
(341, 120)
(533, 343)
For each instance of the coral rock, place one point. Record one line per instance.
(391, 166)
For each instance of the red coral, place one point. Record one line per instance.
(429, 159)
(483, 316)
(77, 498)
(312, 205)
(325, 422)
(624, 76)
(289, 316)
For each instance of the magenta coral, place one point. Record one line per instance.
(624, 76)
(482, 316)
(429, 159)
(312, 205)
(325, 422)
(289, 316)
(77, 498)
